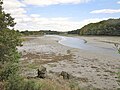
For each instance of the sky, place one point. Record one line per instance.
(60, 15)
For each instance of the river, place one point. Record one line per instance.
(82, 44)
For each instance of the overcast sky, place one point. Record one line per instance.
(60, 15)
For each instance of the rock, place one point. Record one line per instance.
(42, 72)
(94, 67)
(83, 79)
(65, 75)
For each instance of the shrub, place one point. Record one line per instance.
(15, 82)
(8, 70)
(31, 85)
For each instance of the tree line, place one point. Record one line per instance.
(110, 27)
(41, 32)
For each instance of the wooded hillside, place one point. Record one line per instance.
(106, 27)
(110, 27)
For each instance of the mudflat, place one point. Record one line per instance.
(88, 69)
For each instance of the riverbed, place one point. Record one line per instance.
(88, 67)
(80, 43)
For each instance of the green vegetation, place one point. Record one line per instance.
(10, 78)
(9, 40)
(118, 77)
(110, 27)
(74, 86)
(17, 83)
(41, 32)
(106, 27)
(118, 73)
(9, 56)
(117, 47)
(27, 33)
(74, 31)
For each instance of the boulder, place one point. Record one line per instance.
(41, 72)
(65, 75)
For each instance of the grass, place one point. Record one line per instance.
(46, 84)
(34, 61)
(74, 85)
(117, 47)
(32, 66)
(118, 78)
(37, 60)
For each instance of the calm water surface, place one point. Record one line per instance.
(80, 44)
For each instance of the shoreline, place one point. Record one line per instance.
(88, 69)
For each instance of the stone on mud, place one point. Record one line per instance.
(42, 72)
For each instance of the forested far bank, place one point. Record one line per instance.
(110, 27)
(41, 32)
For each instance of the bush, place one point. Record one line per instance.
(9, 40)
(15, 82)
(8, 70)
(32, 85)
(9, 56)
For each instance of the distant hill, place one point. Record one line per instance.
(110, 27)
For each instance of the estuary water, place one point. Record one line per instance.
(82, 44)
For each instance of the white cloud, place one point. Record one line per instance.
(11, 4)
(15, 8)
(35, 15)
(15, 11)
(53, 2)
(42, 23)
(59, 24)
(59, 19)
(118, 2)
(37, 22)
(110, 11)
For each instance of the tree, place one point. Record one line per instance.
(105, 27)
(9, 40)
(5, 19)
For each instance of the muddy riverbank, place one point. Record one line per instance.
(88, 69)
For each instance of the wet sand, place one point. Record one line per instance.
(88, 69)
